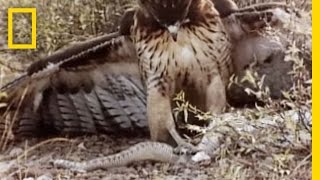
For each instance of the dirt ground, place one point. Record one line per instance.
(35, 156)
(83, 148)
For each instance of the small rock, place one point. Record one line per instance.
(6, 166)
(45, 177)
(16, 151)
(187, 171)
(82, 146)
(200, 156)
(29, 178)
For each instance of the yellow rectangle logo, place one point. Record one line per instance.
(33, 44)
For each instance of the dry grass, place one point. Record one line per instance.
(61, 22)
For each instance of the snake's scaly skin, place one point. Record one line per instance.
(229, 124)
(142, 151)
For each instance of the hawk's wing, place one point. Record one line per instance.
(90, 87)
(240, 22)
(260, 35)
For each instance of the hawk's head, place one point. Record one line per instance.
(170, 14)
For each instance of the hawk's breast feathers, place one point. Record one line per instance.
(202, 47)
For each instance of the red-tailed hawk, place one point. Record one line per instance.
(171, 45)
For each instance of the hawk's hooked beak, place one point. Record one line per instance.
(173, 29)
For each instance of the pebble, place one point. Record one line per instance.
(200, 156)
(16, 151)
(29, 178)
(45, 177)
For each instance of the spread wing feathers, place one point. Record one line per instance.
(83, 68)
(264, 14)
(266, 47)
(118, 104)
(95, 86)
(240, 21)
(90, 87)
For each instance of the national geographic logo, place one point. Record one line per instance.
(33, 44)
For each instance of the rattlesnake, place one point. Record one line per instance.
(227, 125)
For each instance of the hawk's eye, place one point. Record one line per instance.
(164, 21)
(161, 22)
(185, 21)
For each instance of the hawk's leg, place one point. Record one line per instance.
(216, 95)
(160, 119)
